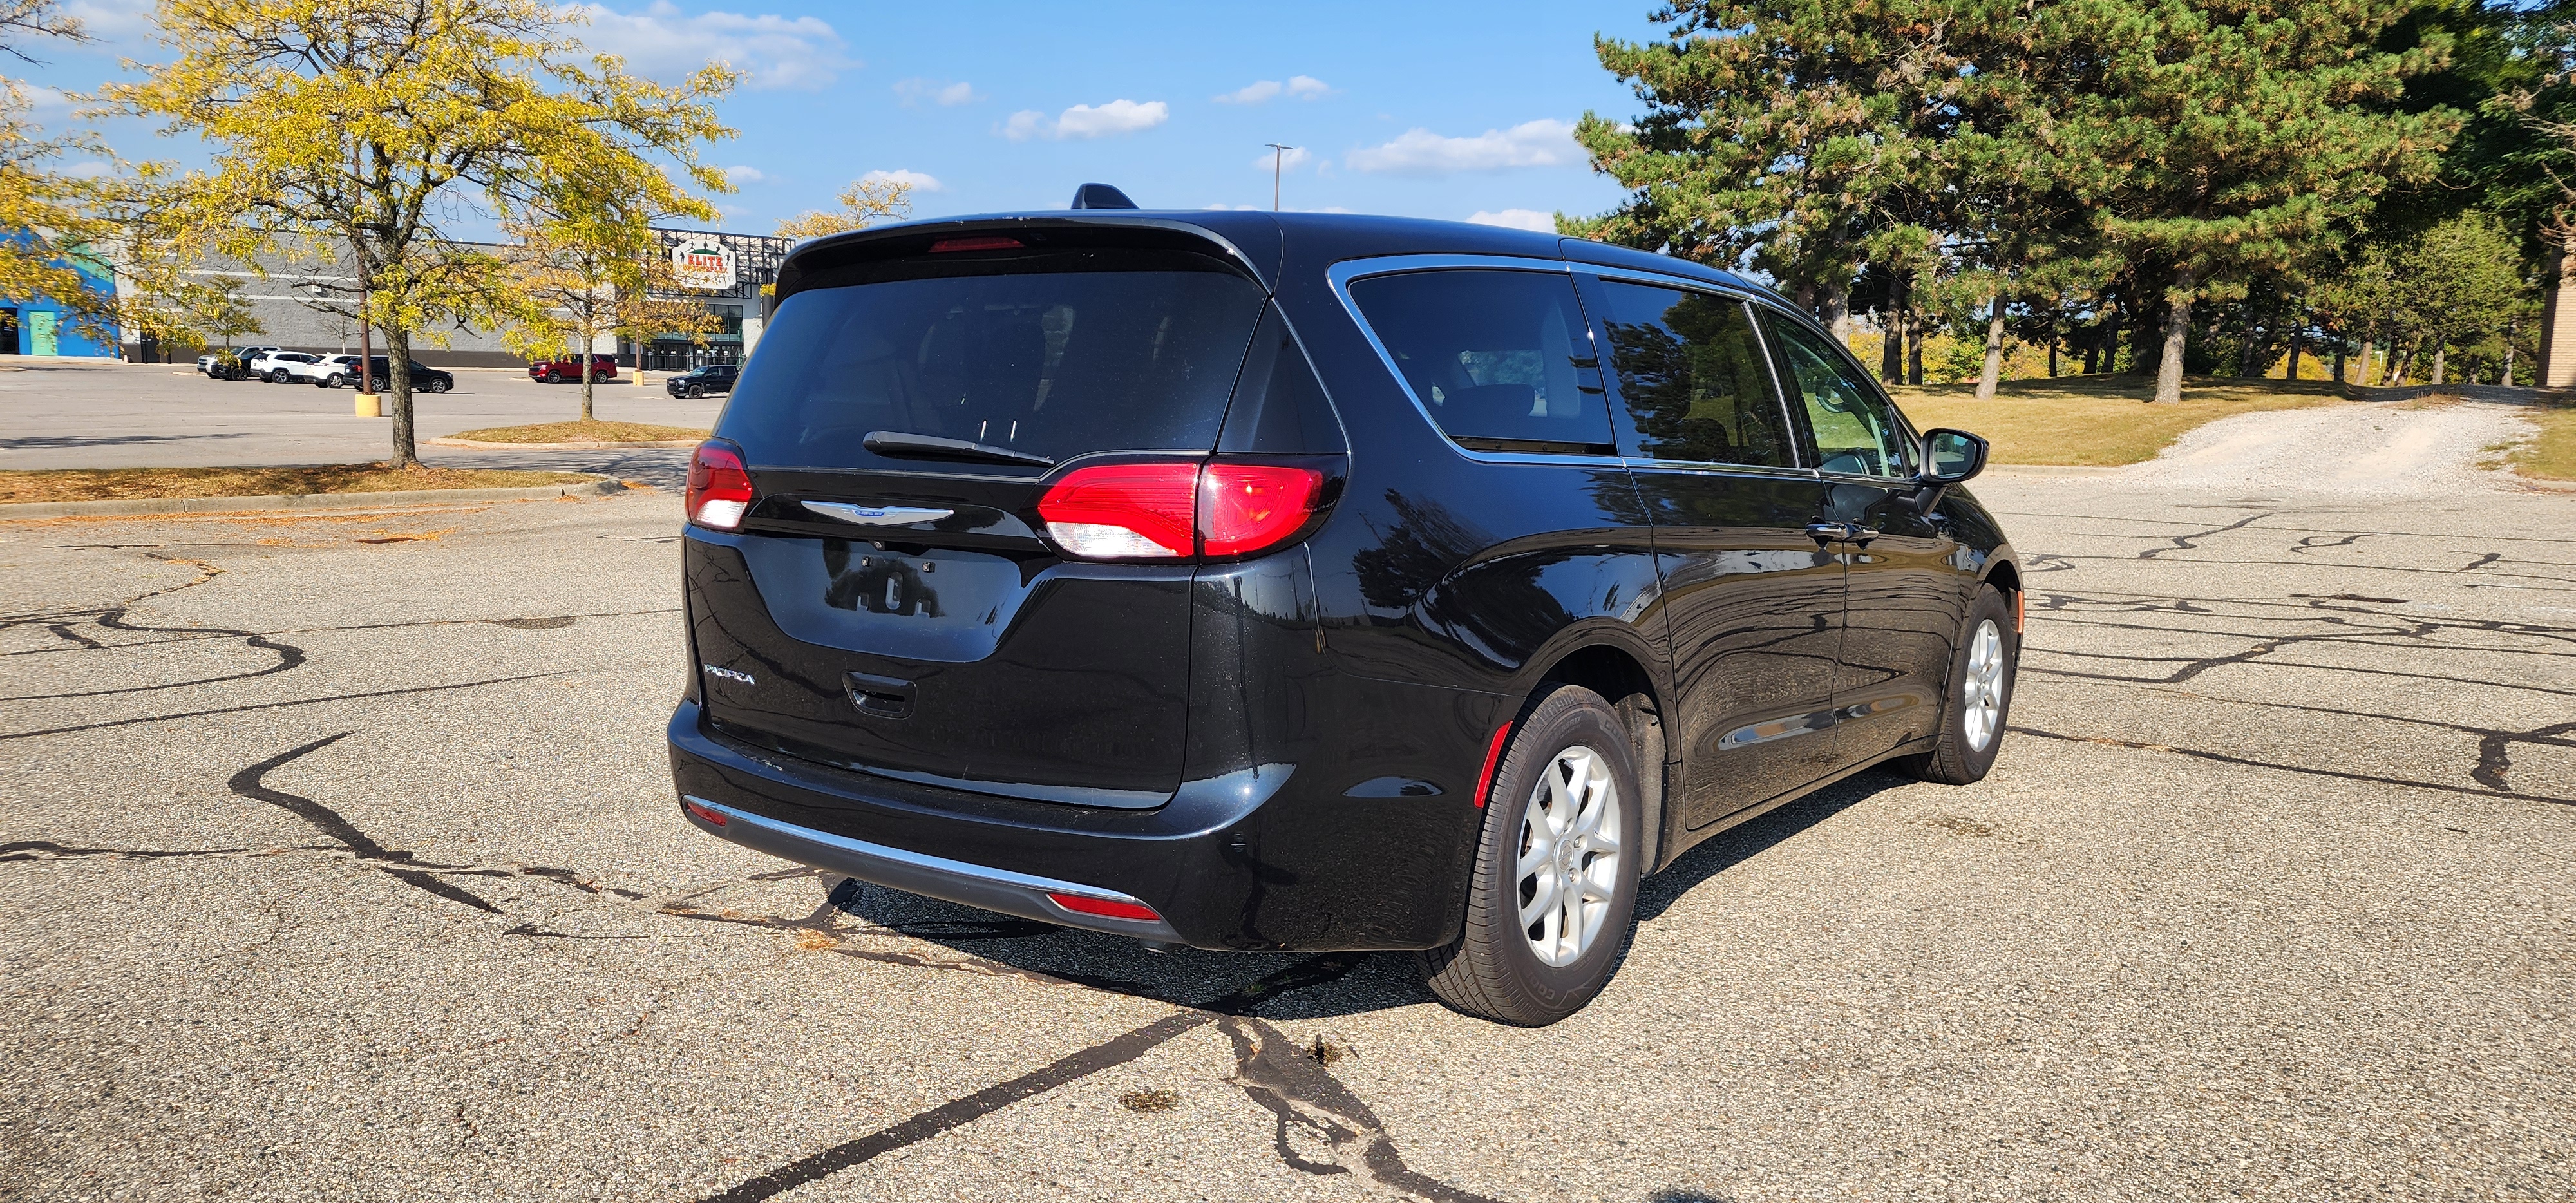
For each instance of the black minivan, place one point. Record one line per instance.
(1249, 580)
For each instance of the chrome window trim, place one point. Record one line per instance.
(1340, 276)
(1749, 302)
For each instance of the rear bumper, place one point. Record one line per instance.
(1259, 859)
(1021, 894)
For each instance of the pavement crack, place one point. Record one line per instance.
(2191, 542)
(339, 697)
(249, 784)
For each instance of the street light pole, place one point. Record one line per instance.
(1278, 166)
(358, 251)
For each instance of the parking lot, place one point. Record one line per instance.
(341, 861)
(94, 414)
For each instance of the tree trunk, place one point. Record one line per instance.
(1838, 310)
(2297, 333)
(2511, 332)
(1994, 368)
(2439, 350)
(1914, 350)
(1891, 355)
(2109, 346)
(398, 377)
(585, 381)
(2052, 359)
(2247, 351)
(2177, 328)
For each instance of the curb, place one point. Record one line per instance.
(477, 445)
(19, 511)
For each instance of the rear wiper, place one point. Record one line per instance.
(893, 442)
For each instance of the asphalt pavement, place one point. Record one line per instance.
(340, 861)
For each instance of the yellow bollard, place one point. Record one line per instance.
(369, 406)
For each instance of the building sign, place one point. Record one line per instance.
(705, 263)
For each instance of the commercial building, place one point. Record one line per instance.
(44, 326)
(294, 298)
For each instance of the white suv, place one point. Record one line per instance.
(278, 367)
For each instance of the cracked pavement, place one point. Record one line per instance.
(340, 861)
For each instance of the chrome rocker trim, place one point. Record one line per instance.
(1002, 890)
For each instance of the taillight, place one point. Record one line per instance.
(1244, 508)
(719, 487)
(1110, 908)
(989, 243)
(1123, 511)
(1174, 510)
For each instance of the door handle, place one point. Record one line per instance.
(1841, 532)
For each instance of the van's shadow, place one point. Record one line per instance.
(1190, 977)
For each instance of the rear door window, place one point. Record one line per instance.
(1052, 363)
(1502, 360)
(1692, 376)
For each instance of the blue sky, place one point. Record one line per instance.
(1446, 111)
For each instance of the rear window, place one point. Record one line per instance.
(1495, 356)
(1057, 363)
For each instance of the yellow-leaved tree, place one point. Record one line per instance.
(587, 264)
(378, 133)
(863, 203)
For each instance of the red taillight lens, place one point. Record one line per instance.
(1244, 508)
(974, 244)
(1081, 905)
(719, 487)
(704, 811)
(1123, 511)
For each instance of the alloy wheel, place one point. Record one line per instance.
(1568, 871)
(1981, 692)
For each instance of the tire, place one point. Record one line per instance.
(438, 386)
(1977, 707)
(696, 391)
(334, 380)
(553, 376)
(277, 377)
(1496, 969)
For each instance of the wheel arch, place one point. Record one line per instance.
(1617, 668)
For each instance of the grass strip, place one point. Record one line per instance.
(2101, 420)
(118, 484)
(593, 431)
(2552, 456)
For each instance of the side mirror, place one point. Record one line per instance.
(1952, 456)
(1949, 457)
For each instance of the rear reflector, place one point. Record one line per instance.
(1105, 908)
(1244, 508)
(719, 487)
(974, 244)
(704, 811)
(1493, 760)
(1123, 511)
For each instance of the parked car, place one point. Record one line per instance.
(230, 364)
(1312, 581)
(698, 382)
(556, 371)
(278, 367)
(342, 372)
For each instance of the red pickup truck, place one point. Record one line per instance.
(556, 371)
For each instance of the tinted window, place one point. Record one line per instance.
(1692, 376)
(1857, 431)
(1058, 364)
(1494, 355)
(1280, 408)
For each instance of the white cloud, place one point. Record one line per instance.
(115, 20)
(920, 181)
(915, 90)
(1290, 160)
(778, 52)
(1540, 143)
(1087, 121)
(1303, 87)
(1518, 219)
(744, 175)
(1252, 93)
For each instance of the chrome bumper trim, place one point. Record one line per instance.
(1020, 894)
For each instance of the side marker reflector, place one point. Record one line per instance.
(703, 811)
(2021, 609)
(1493, 760)
(1104, 907)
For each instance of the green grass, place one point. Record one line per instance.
(2100, 420)
(2552, 456)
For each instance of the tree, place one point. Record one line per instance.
(380, 129)
(863, 203)
(586, 264)
(2242, 137)
(2462, 284)
(49, 220)
(1788, 137)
